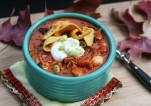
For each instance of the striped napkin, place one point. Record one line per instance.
(15, 80)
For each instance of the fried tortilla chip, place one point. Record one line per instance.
(85, 32)
(74, 35)
(67, 28)
(48, 42)
(55, 27)
(90, 36)
(64, 23)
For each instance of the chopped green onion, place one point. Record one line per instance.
(61, 48)
(83, 44)
(76, 52)
(56, 69)
(63, 38)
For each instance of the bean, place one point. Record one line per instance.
(43, 30)
(98, 60)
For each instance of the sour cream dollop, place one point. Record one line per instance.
(56, 53)
(66, 47)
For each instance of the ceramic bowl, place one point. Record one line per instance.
(67, 89)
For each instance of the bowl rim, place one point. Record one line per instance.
(103, 68)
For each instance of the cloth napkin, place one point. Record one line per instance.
(15, 79)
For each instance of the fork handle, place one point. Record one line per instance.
(145, 79)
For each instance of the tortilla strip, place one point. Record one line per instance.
(55, 27)
(67, 28)
(89, 37)
(85, 32)
(64, 23)
(47, 42)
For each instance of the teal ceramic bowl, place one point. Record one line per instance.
(67, 89)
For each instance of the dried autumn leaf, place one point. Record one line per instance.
(16, 32)
(136, 46)
(137, 42)
(135, 28)
(5, 33)
(147, 29)
(87, 7)
(47, 11)
(145, 6)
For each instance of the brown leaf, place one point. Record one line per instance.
(47, 11)
(135, 28)
(87, 7)
(136, 45)
(144, 6)
(147, 29)
(16, 32)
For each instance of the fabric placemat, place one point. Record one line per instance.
(15, 79)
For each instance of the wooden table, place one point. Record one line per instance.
(133, 92)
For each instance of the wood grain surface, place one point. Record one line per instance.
(133, 92)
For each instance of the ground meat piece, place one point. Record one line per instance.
(77, 71)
